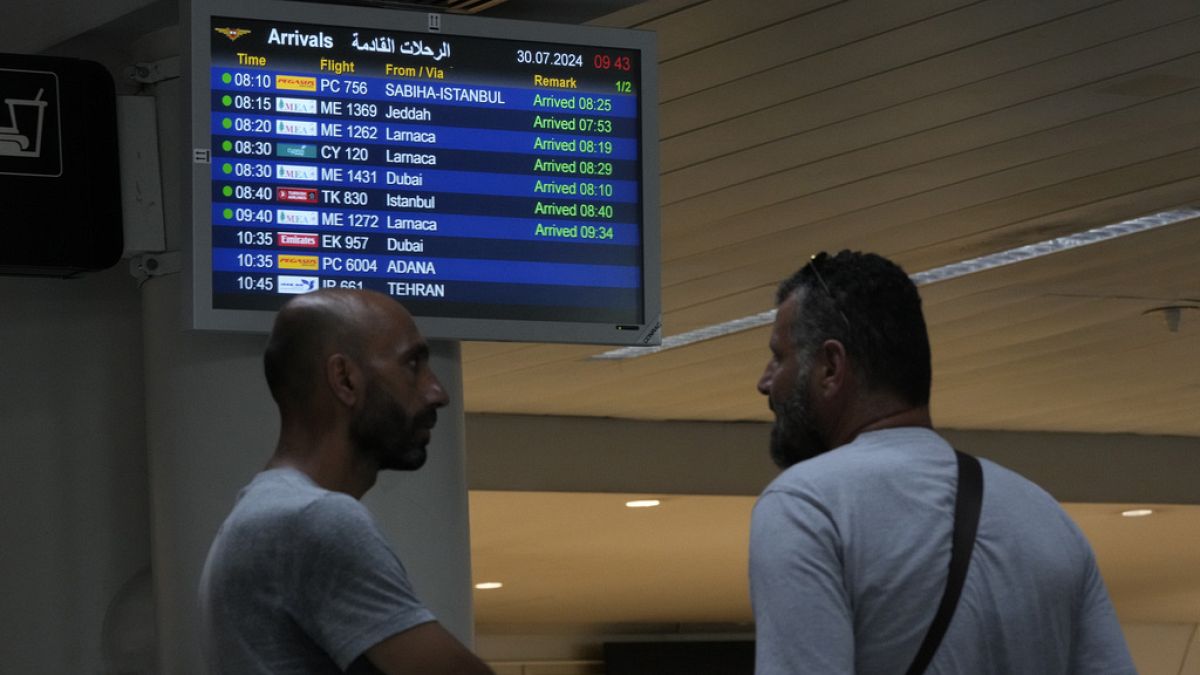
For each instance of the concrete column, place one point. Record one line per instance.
(424, 513)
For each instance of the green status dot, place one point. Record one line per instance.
(226, 78)
(227, 146)
(228, 213)
(227, 167)
(227, 99)
(227, 123)
(227, 191)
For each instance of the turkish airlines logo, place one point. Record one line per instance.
(296, 195)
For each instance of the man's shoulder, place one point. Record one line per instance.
(335, 510)
(276, 493)
(886, 453)
(282, 512)
(279, 498)
(1021, 500)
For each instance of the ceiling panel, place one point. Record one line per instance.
(701, 25)
(685, 561)
(741, 55)
(682, 562)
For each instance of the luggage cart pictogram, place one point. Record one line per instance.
(23, 136)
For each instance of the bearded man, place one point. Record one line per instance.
(299, 578)
(850, 545)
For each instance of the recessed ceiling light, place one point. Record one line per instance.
(642, 503)
(1137, 513)
(489, 585)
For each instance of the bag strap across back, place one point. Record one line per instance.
(967, 503)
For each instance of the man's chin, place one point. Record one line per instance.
(782, 456)
(410, 459)
(786, 450)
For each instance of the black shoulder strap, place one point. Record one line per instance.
(966, 522)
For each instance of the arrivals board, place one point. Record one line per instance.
(495, 184)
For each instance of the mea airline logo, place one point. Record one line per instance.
(296, 172)
(232, 33)
(299, 239)
(294, 217)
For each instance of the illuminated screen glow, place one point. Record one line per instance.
(495, 186)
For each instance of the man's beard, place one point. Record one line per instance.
(795, 438)
(387, 435)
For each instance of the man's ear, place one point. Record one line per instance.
(833, 367)
(344, 378)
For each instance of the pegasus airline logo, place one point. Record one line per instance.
(233, 33)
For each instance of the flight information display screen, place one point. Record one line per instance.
(495, 186)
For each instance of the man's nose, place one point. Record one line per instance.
(764, 382)
(436, 394)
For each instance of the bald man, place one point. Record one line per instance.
(299, 578)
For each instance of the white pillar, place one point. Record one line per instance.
(424, 513)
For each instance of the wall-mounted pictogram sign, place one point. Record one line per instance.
(30, 131)
(60, 177)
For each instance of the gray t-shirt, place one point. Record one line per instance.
(848, 559)
(300, 580)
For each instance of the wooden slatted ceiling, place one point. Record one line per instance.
(1020, 351)
(1066, 345)
(931, 131)
(810, 194)
(820, 91)
(838, 156)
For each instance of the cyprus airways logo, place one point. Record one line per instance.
(232, 33)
